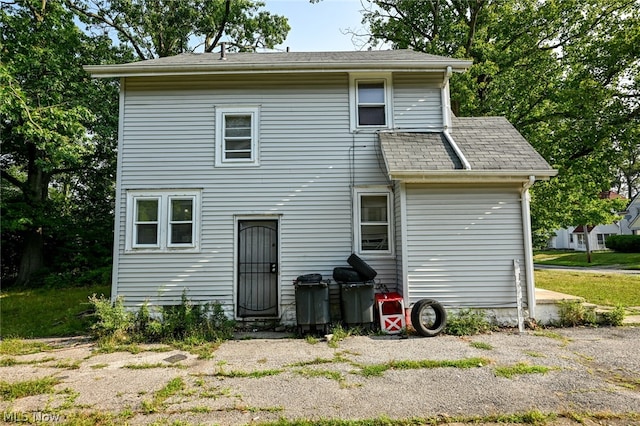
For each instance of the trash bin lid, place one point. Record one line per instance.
(310, 284)
(309, 278)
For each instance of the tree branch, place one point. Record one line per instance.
(227, 11)
(112, 24)
(13, 180)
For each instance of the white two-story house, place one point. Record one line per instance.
(238, 173)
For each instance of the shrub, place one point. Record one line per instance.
(113, 322)
(614, 317)
(574, 313)
(186, 322)
(624, 243)
(467, 322)
(196, 322)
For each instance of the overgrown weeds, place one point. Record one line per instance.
(11, 391)
(170, 389)
(614, 317)
(187, 323)
(520, 368)
(574, 312)
(378, 369)
(467, 322)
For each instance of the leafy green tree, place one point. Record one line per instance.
(159, 28)
(53, 133)
(564, 72)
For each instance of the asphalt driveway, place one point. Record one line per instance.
(261, 377)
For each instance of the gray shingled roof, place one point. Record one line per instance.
(418, 152)
(491, 145)
(401, 59)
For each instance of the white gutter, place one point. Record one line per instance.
(514, 175)
(137, 69)
(528, 246)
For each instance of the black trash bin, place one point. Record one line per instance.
(357, 299)
(312, 304)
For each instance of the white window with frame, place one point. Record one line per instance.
(602, 239)
(162, 220)
(370, 97)
(237, 140)
(372, 218)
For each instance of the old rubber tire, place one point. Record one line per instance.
(367, 272)
(347, 275)
(428, 317)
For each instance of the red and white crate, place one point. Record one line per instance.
(390, 307)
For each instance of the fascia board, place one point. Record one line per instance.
(128, 70)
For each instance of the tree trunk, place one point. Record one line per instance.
(587, 245)
(32, 259)
(36, 193)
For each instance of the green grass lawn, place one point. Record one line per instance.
(601, 289)
(46, 312)
(579, 258)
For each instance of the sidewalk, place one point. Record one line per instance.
(549, 297)
(589, 269)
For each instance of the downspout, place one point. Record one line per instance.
(457, 150)
(528, 246)
(445, 99)
(446, 118)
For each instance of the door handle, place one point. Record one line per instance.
(273, 268)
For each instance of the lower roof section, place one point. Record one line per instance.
(487, 149)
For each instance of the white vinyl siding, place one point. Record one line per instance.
(309, 159)
(461, 243)
(417, 101)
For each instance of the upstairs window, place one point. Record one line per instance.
(371, 104)
(237, 136)
(371, 101)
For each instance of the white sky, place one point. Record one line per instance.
(318, 27)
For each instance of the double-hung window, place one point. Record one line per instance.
(162, 220)
(372, 213)
(371, 101)
(237, 136)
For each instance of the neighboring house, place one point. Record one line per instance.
(573, 238)
(632, 216)
(238, 174)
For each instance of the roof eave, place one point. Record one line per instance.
(470, 176)
(107, 71)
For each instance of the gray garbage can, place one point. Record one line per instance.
(357, 303)
(312, 306)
